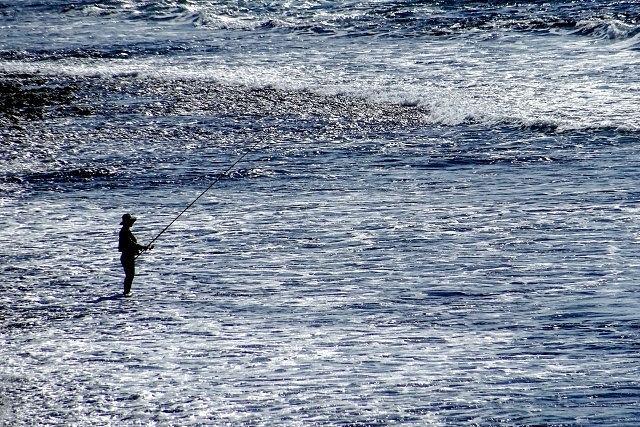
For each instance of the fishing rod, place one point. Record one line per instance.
(218, 178)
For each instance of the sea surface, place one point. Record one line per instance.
(433, 221)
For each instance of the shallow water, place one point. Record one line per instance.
(414, 237)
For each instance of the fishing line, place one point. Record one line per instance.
(238, 160)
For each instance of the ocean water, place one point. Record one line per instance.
(435, 221)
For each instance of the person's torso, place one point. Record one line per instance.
(127, 242)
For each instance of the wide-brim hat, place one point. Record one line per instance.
(128, 219)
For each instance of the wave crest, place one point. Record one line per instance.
(606, 29)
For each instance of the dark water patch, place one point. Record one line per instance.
(71, 175)
(56, 178)
(450, 294)
(30, 96)
(471, 161)
(62, 180)
(99, 52)
(129, 95)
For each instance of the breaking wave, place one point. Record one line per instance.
(399, 18)
(606, 29)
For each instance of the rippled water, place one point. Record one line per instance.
(435, 222)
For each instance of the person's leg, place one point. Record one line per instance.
(128, 264)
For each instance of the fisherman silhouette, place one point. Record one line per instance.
(130, 249)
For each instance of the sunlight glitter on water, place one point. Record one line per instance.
(436, 226)
(287, 303)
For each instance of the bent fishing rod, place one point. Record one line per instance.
(218, 178)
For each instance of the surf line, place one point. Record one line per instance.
(218, 178)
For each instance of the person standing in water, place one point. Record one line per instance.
(130, 249)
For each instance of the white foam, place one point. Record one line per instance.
(567, 86)
(611, 29)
